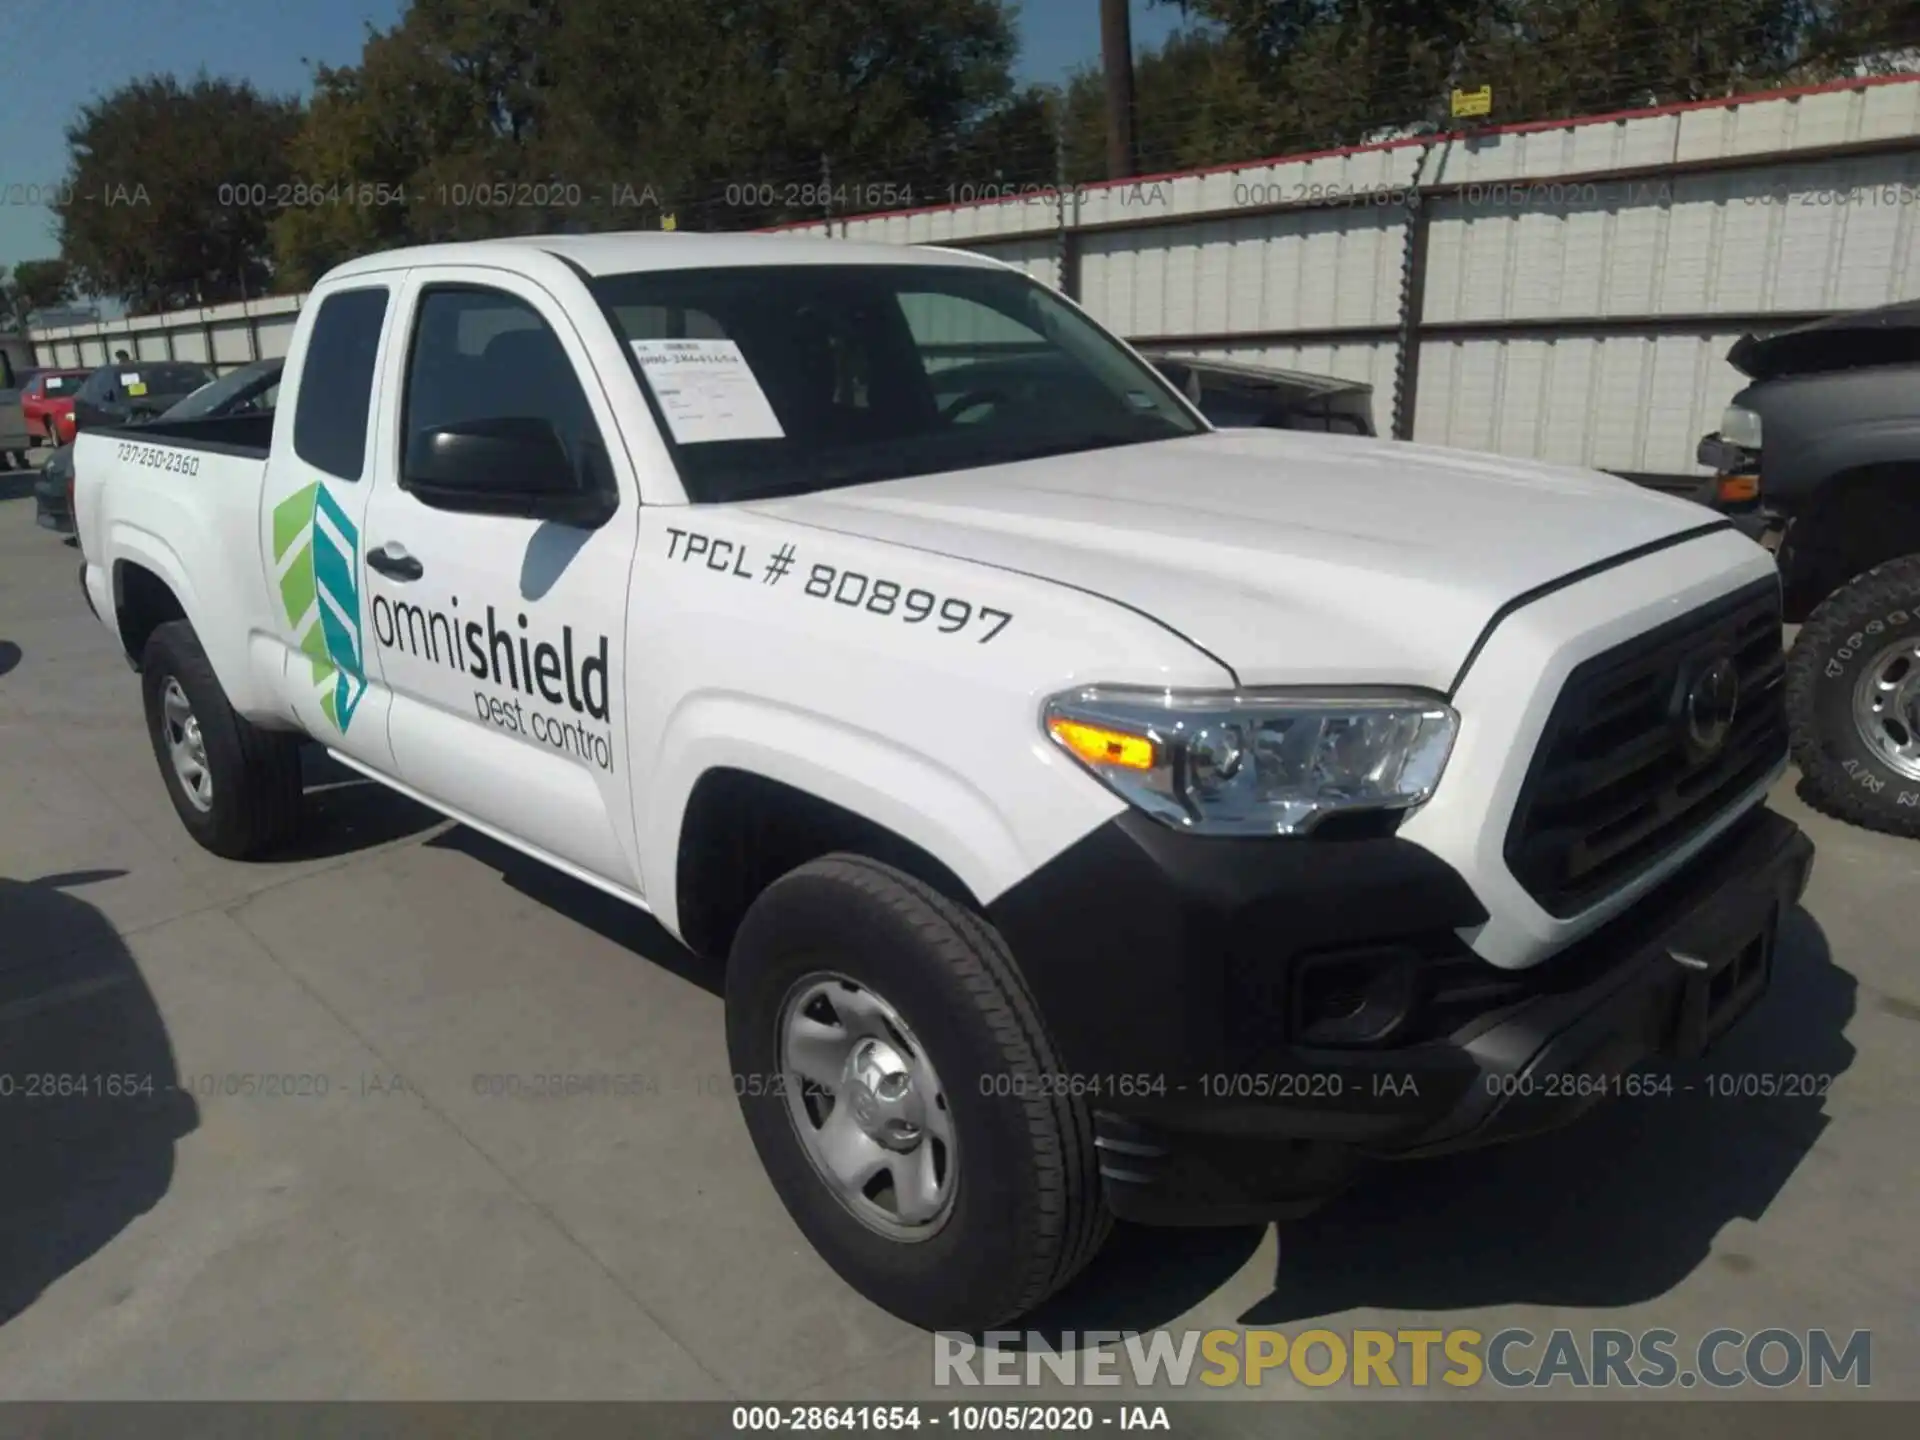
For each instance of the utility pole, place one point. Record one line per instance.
(1116, 59)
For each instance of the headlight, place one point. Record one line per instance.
(1274, 762)
(1739, 426)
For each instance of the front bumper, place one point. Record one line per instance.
(1209, 1106)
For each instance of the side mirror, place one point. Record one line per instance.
(507, 465)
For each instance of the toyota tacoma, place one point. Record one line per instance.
(1098, 814)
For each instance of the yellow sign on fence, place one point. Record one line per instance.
(1472, 104)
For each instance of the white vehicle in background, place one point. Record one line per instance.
(1099, 814)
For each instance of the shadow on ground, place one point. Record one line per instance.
(344, 811)
(17, 484)
(1618, 1208)
(606, 915)
(9, 656)
(89, 1112)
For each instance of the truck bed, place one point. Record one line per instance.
(247, 436)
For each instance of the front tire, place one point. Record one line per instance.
(853, 991)
(235, 786)
(1853, 699)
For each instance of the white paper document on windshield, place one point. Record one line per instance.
(707, 391)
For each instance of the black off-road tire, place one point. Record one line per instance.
(255, 804)
(1843, 775)
(1028, 1212)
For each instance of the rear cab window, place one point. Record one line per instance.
(335, 399)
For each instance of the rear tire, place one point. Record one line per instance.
(1024, 1212)
(250, 801)
(1853, 700)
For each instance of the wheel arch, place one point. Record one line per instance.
(1860, 517)
(776, 765)
(144, 599)
(151, 584)
(741, 830)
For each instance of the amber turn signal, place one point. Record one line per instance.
(1098, 745)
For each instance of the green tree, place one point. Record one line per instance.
(785, 109)
(155, 210)
(475, 117)
(42, 284)
(1327, 72)
(427, 138)
(1194, 101)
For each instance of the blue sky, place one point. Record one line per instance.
(94, 46)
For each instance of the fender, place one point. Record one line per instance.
(1802, 472)
(870, 774)
(250, 689)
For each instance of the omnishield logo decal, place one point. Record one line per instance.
(316, 553)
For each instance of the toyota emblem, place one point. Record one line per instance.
(1712, 701)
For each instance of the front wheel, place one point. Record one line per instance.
(891, 1068)
(235, 786)
(1853, 697)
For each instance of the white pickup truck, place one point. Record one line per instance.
(1099, 814)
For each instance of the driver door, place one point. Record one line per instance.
(502, 637)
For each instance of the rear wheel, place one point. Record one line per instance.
(1853, 695)
(235, 786)
(889, 1062)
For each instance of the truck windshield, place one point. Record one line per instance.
(777, 380)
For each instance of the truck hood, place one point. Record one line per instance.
(1290, 557)
(1887, 335)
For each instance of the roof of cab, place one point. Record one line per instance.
(625, 251)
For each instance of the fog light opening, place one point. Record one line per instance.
(1354, 997)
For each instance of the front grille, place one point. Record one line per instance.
(1616, 784)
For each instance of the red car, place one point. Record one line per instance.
(47, 404)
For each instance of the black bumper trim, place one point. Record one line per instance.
(1224, 1146)
(1160, 953)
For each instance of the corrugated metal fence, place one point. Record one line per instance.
(1564, 291)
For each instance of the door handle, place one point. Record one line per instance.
(395, 563)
